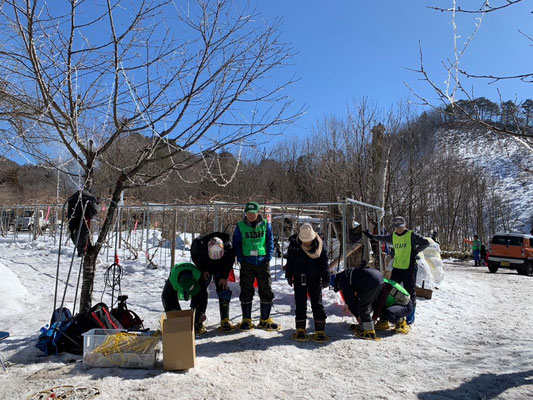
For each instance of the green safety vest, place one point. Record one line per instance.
(253, 239)
(476, 245)
(397, 295)
(402, 250)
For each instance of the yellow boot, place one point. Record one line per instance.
(402, 327)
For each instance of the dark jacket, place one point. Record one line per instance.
(200, 256)
(362, 279)
(79, 201)
(299, 263)
(418, 243)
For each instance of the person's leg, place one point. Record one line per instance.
(300, 299)
(266, 295)
(409, 283)
(199, 303)
(169, 298)
(364, 306)
(264, 283)
(397, 312)
(319, 316)
(246, 281)
(477, 260)
(315, 295)
(224, 299)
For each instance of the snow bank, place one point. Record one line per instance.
(13, 293)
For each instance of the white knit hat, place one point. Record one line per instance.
(215, 248)
(307, 233)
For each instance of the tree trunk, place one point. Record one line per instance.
(89, 261)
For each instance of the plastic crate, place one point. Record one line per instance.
(111, 348)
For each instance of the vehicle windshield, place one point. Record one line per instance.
(507, 240)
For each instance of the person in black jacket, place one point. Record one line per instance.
(359, 288)
(81, 208)
(214, 256)
(307, 270)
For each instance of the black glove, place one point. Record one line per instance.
(325, 282)
(290, 280)
(368, 234)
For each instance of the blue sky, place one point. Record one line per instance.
(349, 49)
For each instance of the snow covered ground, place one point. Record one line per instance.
(471, 341)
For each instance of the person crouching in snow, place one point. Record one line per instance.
(407, 244)
(307, 271)
(214, 256)
(359, 288)
(181, 284)
(393, 304)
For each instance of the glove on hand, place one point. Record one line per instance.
(334, 283)
(325, 282)
(290, 280)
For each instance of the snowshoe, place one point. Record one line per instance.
(269, 325)
(320, 337)
(382, 325)
(368, 335)
(245, 325)
(402, 327)
(226, 326)
(200, 330)
(300, 336)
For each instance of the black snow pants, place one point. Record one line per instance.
(312, 286)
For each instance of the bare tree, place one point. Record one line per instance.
(455, 86)
(81, 77)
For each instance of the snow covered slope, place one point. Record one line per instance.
(502, 157)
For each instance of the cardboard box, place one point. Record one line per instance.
(179, 346)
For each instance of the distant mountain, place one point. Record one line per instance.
(26, 184)
(503, 158)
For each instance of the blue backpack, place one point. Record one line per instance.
(52, 339)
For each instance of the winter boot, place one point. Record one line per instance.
(246, 324)
(411, 317)
(199, 328)
(300, 335)
(225, 324)
(402, 327)
(319, 336)
(382, 325)
(266, 322)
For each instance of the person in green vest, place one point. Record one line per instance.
(476, 249)
(253, 242)
(407, 244)
(393, 304)
(182, 284)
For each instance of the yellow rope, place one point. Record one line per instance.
(125, 342)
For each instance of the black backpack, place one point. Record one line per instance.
(127, 318)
